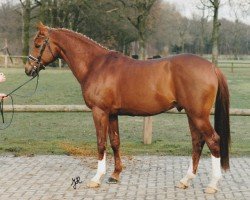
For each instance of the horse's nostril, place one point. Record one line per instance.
(34, 73)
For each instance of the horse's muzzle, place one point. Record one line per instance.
(31, 70)
(34, 72)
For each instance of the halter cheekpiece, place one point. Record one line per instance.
(38, 60)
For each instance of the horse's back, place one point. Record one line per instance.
(150, 87)
(133, 87)
(146, 87)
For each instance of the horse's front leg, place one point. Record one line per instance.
(101, 121)
(115, 144)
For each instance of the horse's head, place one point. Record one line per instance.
(44, 51)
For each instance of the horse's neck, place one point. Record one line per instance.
(78, 53)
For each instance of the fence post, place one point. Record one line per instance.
(60, 63)
(5, 60)
(232, 67)
(147, 130)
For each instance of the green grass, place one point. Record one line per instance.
(239, 86)
(74, 133)
(55, 87)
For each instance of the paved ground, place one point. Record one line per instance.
(144, 177)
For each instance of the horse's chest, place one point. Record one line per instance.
(99, 96)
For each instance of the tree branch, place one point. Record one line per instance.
(112, 10)
(205, 4)
(18, 12)
(35, 6)
(22, 3)
(38, 2)
(132, 22)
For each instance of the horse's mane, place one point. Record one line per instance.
(80, 36)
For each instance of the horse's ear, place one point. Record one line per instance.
(42, 28)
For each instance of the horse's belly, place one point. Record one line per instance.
(145, 107)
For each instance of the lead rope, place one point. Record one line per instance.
(12, 101)
(1, 109)
(12, 116)
(29, 95)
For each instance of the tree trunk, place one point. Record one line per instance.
(182, 42)
(54, 14)
(142, 50)
(215, 33)
(26, 28)
(202, 36)
(43, 12)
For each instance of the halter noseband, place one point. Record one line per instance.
(39, 58)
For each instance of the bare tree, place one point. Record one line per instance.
(240, 8)
(137, 13)
(214, 5)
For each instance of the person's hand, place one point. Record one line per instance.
(2, 77)
(3, 96)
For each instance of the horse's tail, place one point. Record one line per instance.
(221, 118)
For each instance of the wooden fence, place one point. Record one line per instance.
(147, 126)
(233, 65)
(84, 108)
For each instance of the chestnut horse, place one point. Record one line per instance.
(113, 84)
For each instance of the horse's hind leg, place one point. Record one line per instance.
(197, 143)
(115, 144)
(212, 139)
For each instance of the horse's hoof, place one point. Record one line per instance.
(93, 184)
(112, 181)
(211, 190)
(180, 185)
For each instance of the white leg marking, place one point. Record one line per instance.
(190, 175)
(216, 172)
(101, 170)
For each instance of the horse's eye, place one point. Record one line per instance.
(37, 45)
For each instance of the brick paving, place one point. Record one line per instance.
(143, 178)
